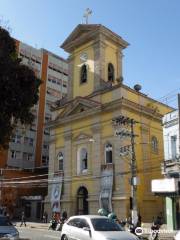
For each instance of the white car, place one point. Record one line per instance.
(177, 236)
(7, 230)
(93, 227)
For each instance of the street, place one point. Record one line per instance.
(37, 234)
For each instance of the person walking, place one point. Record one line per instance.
(23, 220)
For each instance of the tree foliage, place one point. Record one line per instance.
(19, 89)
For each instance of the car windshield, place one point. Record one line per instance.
(105, 224)
(4, 222)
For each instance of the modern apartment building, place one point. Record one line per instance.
(28, 152)
(29, 148)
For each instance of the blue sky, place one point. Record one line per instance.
(151, 27)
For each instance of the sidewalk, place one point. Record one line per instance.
(38, 225)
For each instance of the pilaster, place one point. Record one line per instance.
(99, 62)
(70, 76)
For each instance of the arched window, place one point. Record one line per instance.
(110, 72)
(108, 153)
(60, 159)
(83, 74)
(84, 159)
(154, 144)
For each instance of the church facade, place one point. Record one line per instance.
(85, 149)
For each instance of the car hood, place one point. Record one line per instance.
(119, 235)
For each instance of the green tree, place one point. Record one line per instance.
(19, 89)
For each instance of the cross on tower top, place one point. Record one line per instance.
(87, 13)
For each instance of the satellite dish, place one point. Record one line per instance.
(137, 87)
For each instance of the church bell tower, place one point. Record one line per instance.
(95, 60)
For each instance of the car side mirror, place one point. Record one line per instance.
(87, 229)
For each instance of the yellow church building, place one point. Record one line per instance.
(87, 163)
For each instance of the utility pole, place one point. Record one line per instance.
(119, 124)
(133, 176)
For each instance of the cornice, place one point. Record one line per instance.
(74, 117)
(121, 103)
(133, 107)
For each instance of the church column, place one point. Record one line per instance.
(95, 167)
(66, 197)
(99, 63)
(119, 56)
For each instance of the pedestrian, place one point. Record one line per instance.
(45, 217)
(23, 220)
(139, 220)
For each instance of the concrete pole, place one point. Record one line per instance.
(134, 214)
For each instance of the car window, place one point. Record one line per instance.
(74, 222)
(5, 222)
(105, 224)
(83, 223)
(78, 222)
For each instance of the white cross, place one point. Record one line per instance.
(87, 13)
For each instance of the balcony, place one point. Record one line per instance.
(171, 167)
(108, 166)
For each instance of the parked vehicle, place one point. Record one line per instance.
(7, 229)
(94, 227)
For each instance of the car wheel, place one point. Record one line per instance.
(64, 237)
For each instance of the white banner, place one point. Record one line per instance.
(105, 198)
(56, 194)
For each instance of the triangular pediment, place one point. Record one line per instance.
(79, 105)
(82, 136)
(86, 32)
(80, 32)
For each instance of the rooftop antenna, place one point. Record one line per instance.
(88, 12)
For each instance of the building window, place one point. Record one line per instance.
(31, 141)
(60, 159)
(82, 160)
(110, 72)
(173, 146)
(83, 74)
(16, 139)
(108, 153)
(154, 144)
(15, 154)
(45, 160)
(45, 146)
(27, 156)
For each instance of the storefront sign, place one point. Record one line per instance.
(164, 185)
